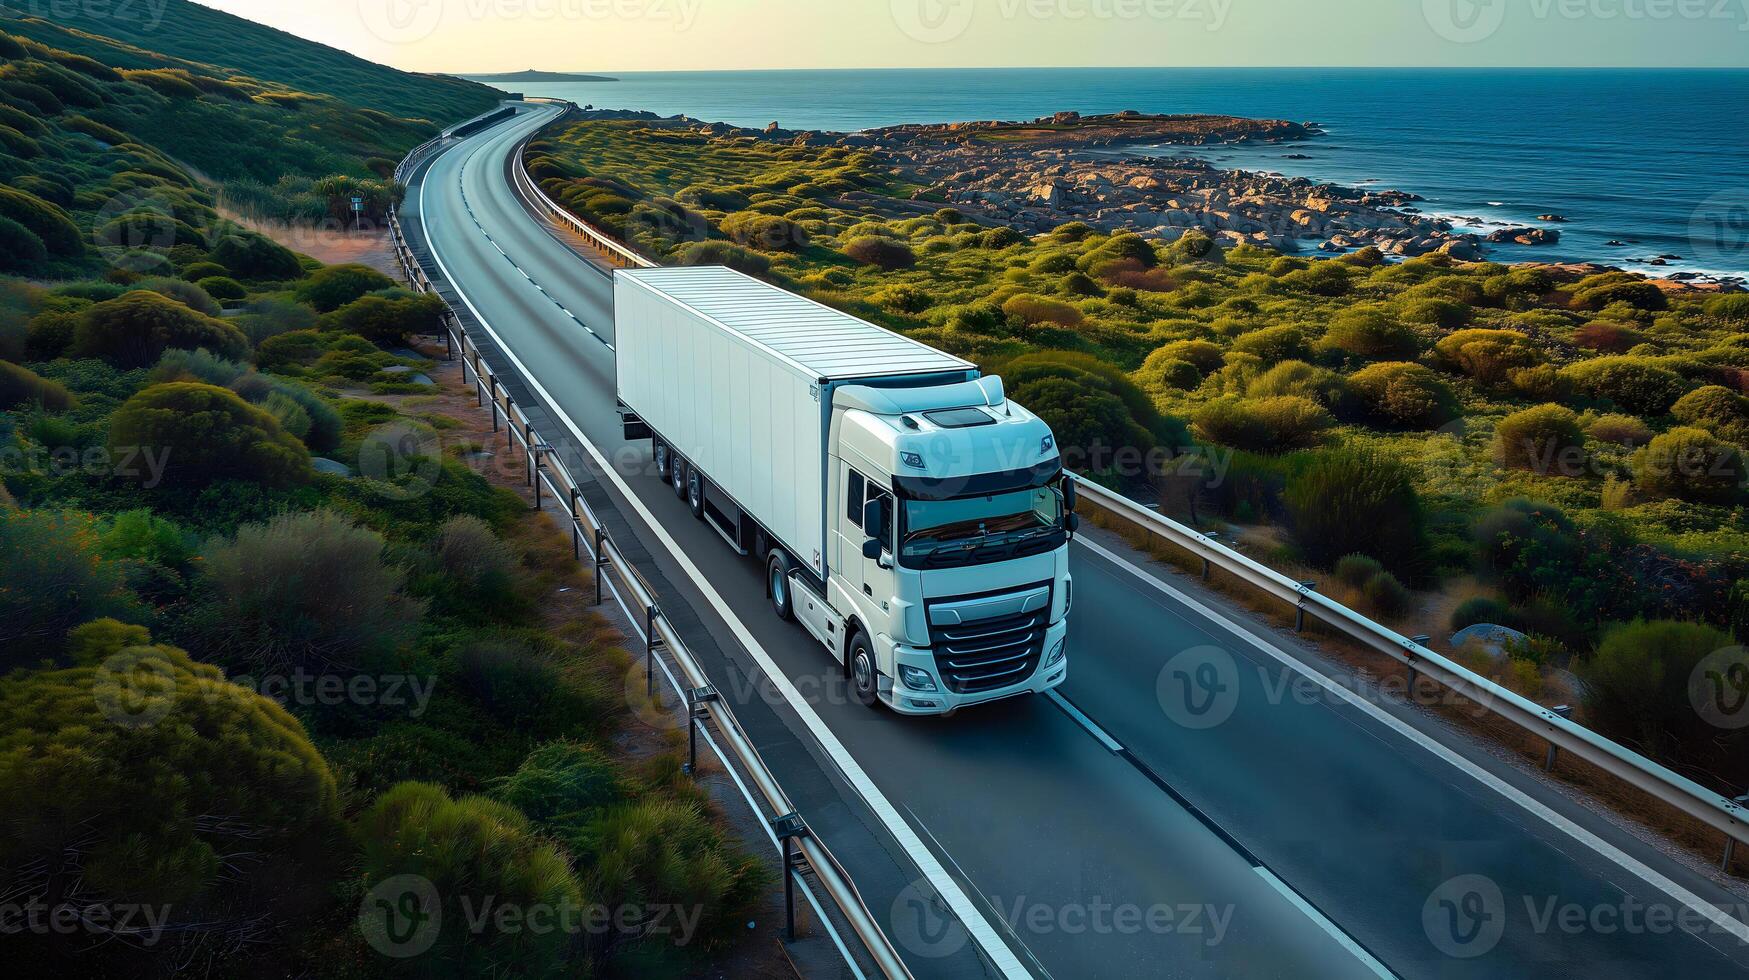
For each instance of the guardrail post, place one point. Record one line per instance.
(1300, 608)
(1423, 639)
(509, 423)
(1565, 711)
(1731, 842)
(536, 451)
(576, 528)
(651, 642)
(696, 699)
(789, 828)
(492, 391)
(600, 561)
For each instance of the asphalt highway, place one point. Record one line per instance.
(1198, 802)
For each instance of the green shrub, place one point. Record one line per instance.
(903, 298)
(1434, 312)
(1598, 292)
(1168, 372)
(197, 365)
(387, 319)
(1206, 355)
(143, 536)
(22, 387)
(658, 852)
(1194, 246)
(765, 232)
(1091, 406)
(20, 249)
(308, 590)
(1730, 306)
(1690, 464)
(135, 329)
(204, 433)
(1299, 378)
(476, 853)
(1608, 337)
(268, 317)
(196, 271)
(223, 288)
(247, 255)
(1488, 355)
(1273, 344)
(1038, 309)
(1479, 609)
(1263, 425)
(1398, 395)
(1348, 501)
(53, 576)
(722, 253)
(1386, 596)
(1715, 408)
(331, 287)
(882, 253)
(1545, 440)
(188, 294)
(1637, 684)
(114, 770)
(1356, 570)
(1623, 430)
(49, 223)
(1371, 333)
(562, 787)
(1635, 384)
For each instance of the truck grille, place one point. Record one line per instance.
(991, 653)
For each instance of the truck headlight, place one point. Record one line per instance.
(1058, 652)
(916, 678)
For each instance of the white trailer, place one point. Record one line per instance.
(896, 499)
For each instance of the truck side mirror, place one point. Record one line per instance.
(874, 517)
(1070, 494)
(871, 549)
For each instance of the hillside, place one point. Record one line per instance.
(110, 153)
(161, 32)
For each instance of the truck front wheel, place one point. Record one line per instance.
(864, 680)
(777, 585)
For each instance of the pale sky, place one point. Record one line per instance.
(624, 35)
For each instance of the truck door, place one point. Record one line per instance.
(879, 582)
(847, 535)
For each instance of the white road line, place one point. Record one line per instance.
(976, 925)
(1628, 862)
(1342, 938)
(1084, 721)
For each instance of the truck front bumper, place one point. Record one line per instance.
(908, 701)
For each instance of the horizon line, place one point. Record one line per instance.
(899, 68)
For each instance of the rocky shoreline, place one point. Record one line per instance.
(1036, 175)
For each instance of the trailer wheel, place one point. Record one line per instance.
(864, 679)
(677, 475)
(659, 450)
(695, 493)
(777, 586)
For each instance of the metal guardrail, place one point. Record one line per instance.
(1687, 796)
(641, 606)
(617, 252)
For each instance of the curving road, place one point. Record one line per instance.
(1205, 800)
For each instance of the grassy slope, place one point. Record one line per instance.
(191, 32)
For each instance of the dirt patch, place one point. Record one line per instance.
(329, 243)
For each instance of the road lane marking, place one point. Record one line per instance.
(995, 950)
(1084, 721)
(1343, 939)
(1627, 862)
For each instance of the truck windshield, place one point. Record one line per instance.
(993, 527)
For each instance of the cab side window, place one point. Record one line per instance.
(853, 491)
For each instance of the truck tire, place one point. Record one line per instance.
(864, 677)
(677, 475)
(695, 493)
(663, 457)
(777, 586)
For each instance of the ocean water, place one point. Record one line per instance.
(1655, 159)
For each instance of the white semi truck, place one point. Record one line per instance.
(914, 520)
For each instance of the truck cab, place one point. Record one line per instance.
(949, 545)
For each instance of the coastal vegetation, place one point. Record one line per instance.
(271, 637)
(1567, 440)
